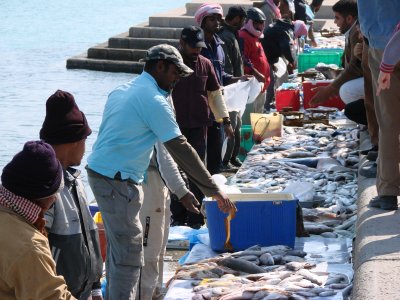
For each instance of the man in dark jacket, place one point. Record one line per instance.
(73, 235)
(279, 42)
(228, 33)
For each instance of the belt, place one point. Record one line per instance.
(117, 176)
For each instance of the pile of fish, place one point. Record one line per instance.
(275, 272)
(318, 158)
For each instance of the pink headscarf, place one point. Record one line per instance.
(275, 8)
(300, 28)
(207, 9)
(249, 26)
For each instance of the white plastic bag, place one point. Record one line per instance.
(280, 68)
(302, 190)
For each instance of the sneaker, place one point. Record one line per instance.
(236, 162)
(384, 202)
(368, 170)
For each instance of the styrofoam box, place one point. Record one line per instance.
(261, 219)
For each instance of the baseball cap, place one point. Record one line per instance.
(194, 36)
(170, 53)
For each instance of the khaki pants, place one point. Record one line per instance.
(119, 202)
(155, 217)
(387, 108)
(373, 128)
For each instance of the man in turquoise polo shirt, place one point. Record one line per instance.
(135, 117)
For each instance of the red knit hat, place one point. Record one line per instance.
(64, 122)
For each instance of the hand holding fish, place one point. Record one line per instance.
(224, 203)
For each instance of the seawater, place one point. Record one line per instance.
(36, 39)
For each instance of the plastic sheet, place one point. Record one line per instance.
(302, 190)
(237, 95)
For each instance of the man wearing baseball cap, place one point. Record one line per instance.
(136, 116)
(193, 108)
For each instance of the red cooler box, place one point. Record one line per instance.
(286, 98)
(308, 93)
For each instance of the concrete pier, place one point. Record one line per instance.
(122, 53)
(376, 250)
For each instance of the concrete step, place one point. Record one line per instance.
(324, 24)
(100, 52)
(325, 12)
(155, 32)
(82, 62)
(192, 7)
(139, 43)
(171, 21)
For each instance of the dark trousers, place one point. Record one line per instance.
(232, 149)
(197, 138)
(215, 136)
(355, 111)
(270, 91)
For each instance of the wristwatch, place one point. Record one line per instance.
(226, 121)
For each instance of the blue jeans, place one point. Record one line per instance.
(119, 202)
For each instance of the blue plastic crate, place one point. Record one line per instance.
(261, 219)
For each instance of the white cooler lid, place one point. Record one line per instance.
(262, 197)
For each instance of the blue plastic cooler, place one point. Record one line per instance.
(261, 219)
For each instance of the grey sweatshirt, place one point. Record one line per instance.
(168, 170)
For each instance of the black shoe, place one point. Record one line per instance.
(368, 170)
(178, 223)
(195, 225)
(372, 155)
(384, 202)
(365, 152)
(228, 168)
(236, 162)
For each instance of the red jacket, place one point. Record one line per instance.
(253, 51)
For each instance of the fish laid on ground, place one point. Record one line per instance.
(240, 265)
(316, 228)
(310, 276)
(295, 266)
(267, 260)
